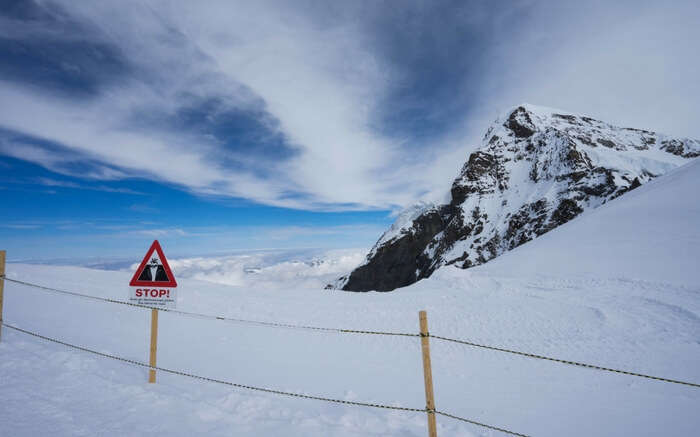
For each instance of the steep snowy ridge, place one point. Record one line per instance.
(537, 168)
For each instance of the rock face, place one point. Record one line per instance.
(537, 169)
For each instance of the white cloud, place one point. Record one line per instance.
(320, 81)
(20, 226)
(90, 129)
(67, 184)
(270, 269)
(628, 63)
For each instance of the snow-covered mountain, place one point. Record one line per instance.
(537, 168)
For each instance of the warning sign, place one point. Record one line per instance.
(153, 284)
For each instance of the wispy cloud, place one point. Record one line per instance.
(68, 184)
(284, 233)
(159, 233)
(330, 106)
(137, 207)
(20, 226)
(627, 62)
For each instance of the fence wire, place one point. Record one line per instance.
(355, 331)
(569, 362)
(209, 316)
(495, 428)
(253, 388)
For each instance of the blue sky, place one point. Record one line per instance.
(60, 218)
(218, 126)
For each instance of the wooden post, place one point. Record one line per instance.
(427, 373)
(2, 285)
(154, 345)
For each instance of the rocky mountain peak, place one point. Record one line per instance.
(536, 169)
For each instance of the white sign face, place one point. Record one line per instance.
(153, 296)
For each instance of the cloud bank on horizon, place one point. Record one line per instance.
(323, 105)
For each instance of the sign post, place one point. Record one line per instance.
(154, 346)
(427, 373)
(153, 285)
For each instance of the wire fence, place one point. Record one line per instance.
(254, 388)
(569, 362)
(209, 316)
(318, 329)
(358, 331)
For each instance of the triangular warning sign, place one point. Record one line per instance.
(154, 270)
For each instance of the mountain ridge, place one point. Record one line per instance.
(536, 169)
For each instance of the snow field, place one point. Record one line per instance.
(617, 287)
(573, 319)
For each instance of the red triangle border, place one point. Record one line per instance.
(136, 283)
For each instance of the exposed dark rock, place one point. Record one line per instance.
(567, 210)
(478, 167)
(601, 185)
(590, 120)
(395, 264)
(570, 118)
(520, 123)
(606, 143)
(680, 148)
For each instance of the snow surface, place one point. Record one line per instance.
(649, 234)
(617, 287)
(403, 223)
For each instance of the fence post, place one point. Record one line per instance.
(2, 285)
(154, 345)
(427, 373)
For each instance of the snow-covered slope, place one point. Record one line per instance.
(536, 169)
(631, 302)
(650, 234)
